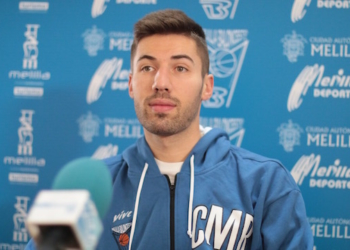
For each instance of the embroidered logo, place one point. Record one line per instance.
(122, 215)
(121, 235)
(123, 239)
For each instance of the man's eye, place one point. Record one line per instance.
(181, 69)
(146, 68)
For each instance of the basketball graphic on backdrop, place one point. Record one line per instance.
(223, 63)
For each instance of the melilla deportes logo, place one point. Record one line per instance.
(335, 175)
(300, 7)
(335, 86)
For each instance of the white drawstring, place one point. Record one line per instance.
(137, 204)
(190, 202)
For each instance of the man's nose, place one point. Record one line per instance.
(162, 81)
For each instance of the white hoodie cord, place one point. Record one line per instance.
(137, 204)
(190, 202)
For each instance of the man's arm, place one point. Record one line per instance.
(285, 225)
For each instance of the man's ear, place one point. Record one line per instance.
(208, 85)
(131, 91)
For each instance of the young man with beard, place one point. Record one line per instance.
(184, 187)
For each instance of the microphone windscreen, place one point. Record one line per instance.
(91, 175)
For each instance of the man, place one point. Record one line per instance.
(186, 187)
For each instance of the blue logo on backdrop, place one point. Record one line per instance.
(20, 233)
(330, 228)
(33, 7)
(24, 153)
(334, 137)
(293, 46)
(122, 41)
(30, 47)
(93, 40)
(30, 79)
(289, 134)
(227, 49)
(99, 6)
(233, 127)
(316, 136)
(298, 9)
(25, 133)
(337, 4)
(103, 74)
(333, 176)
(219, 9)
(89, 126)
(336, 86)
(330, 47)
(105, 151)
(122, 128)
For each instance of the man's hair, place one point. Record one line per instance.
(166, 22)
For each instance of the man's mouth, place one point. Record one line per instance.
(161, 105)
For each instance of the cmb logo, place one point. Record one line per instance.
(227, 49)
(20, 233)
(219, 9)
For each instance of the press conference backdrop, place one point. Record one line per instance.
(282, 89)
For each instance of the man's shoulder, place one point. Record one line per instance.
(264, 167)
(247, 155)
(113, 161)
(114, 164)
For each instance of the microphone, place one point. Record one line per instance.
(69, 216)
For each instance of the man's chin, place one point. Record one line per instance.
(162, 128)
(163, 132)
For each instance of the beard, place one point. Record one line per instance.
(164, 124)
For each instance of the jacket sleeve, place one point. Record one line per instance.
(285, 225)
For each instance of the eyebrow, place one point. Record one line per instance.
(146, 57)
(175, 57)
(182, 56)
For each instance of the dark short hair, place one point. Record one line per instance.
(165, 22)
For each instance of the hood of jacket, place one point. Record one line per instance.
(209, 151)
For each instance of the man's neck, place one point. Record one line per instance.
(174, 148)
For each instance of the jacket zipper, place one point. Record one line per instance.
(172, 213)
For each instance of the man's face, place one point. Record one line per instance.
(166, 84)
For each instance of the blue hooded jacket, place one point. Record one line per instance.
(224, 197)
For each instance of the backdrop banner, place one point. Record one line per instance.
(282, 89)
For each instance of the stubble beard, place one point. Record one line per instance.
(164, 124)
